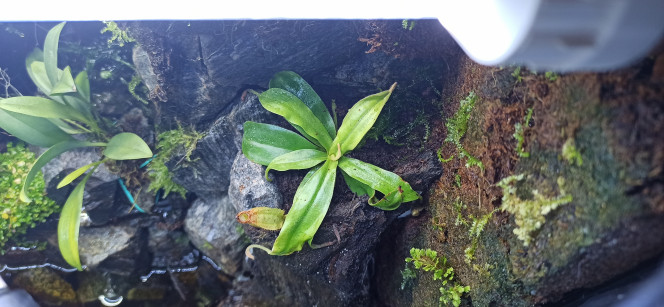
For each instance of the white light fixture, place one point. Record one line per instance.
(560, 35)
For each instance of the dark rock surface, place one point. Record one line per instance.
(207, 174)
(201, 66)
(339, 274)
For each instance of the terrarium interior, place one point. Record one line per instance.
(364, 163)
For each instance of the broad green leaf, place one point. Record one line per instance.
(262, 217)
(33, 130)
(65, 83)
(284, 103)
(360, 118)
(47, 156)
(41, 107)
(294, 84)
(51, 53)
(357, 187)
(68, 225)
(34, 64)
(298, 159)
(261, 143)
(310, 204)
(75, 174)
(127, 146)
(83, 86)
(379, 179)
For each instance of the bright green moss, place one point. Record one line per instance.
(427, 260)
(457, 126)
(529, 213)
(519, 131)
(571, 154)
(551, 76)
(118, 36)
(517, 74)
(476, 228)
(169, 143)
(16, 216)
(132, 85)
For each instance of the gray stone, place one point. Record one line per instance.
(74, 159)
(98, 244)
(211, 227)
(143, 65)
(208, 173)
(248, 187)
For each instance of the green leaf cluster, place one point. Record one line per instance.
(16, 216)
(528, 213)
(427, 260)
(320, 147)
(551, 76)
(457, 126)
(571, 154)
(519, 131)
(52, 121)
(517, 74)
(408, 24)
(118, 36)
(476, 227)
(170, 143)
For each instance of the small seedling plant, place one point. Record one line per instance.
(320, 147)
(53, 121)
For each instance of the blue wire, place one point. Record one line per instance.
(147, 161)
(131, 198)
(157, 196)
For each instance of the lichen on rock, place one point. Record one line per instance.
(528, 213)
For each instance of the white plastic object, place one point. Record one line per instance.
(558, 35)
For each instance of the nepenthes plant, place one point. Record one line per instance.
(322, 148)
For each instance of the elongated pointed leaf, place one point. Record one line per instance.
(66, 127)
(360, 118)
(294, 84)
(34, 64)
(310, 204)
(69, 223)
(65, 83)
(379, 179)
(34, 130)
(357, 187)
(284, 103)
(83, 86)
(75, 174)
(41, 107)
(51, 53)
(47, 156)
(261, 143)
(299, 159)
(127, 146)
